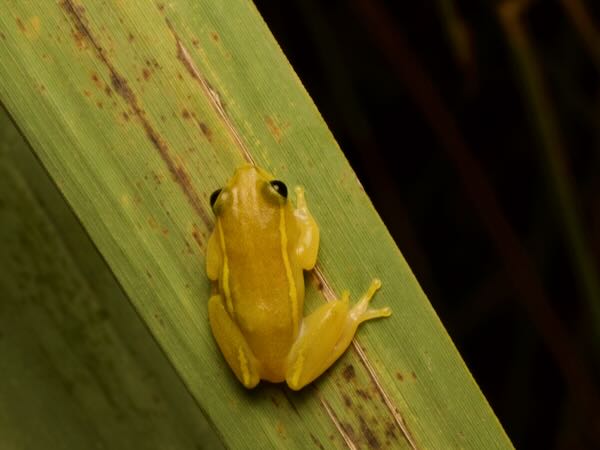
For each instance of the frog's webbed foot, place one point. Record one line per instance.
(361, 312)
(232, 343)
(308, 241)
(326, 333)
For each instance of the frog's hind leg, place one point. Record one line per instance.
(232, 343)
(325, 335)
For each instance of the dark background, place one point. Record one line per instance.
(475, 129)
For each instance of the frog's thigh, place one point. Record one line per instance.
(319, 333)
(326, 334)
(232, 343)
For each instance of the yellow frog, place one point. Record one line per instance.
(257, 253)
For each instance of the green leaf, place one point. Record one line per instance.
(79, 369)
(139, 110)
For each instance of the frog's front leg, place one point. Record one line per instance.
(232, 343)
(325, 334)
(307, 246)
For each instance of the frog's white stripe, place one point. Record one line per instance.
(288, 270)
(225, 275)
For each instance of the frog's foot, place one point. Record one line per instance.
(361, 312)
(232, 343)
(326, 333)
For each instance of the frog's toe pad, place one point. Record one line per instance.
(375, 313)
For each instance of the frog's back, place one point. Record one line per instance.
(266, 289)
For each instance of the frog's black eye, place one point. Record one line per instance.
(213, 197)
(280, 187)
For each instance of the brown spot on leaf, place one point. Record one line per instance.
(2, 36)
(20, 24)
(146, 73)
(215, 36)
(125, 115)
(97, 81)
(108, 90)
(197, 236)
(195, 42)
(31, 27)
(390, 430)
(347, 400)
(185, 114)
(290, 402)
(349, 373)
(161, 7)
(99, 104)
(130, 37)
(348, 430)
(120, 85)
(273, 128)
(316, 441)
(205, 131)
(159, 319)
(414, 375)
(368, 434)
(399, 376)
(153, 63)
(363, 394)
(158, 178)
(152, 222)
(280, 429)
(80, 40)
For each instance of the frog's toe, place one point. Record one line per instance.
(361, 312)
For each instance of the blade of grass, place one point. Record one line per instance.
(78, 367)
(139, 110)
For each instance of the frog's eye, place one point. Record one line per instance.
(279, 187)
(213, 197)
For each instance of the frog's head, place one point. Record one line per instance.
(250, 186)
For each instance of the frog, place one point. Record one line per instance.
(256, 257)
